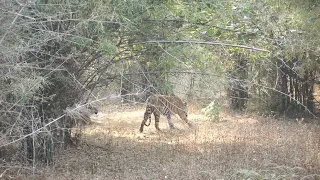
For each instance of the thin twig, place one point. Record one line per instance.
(201, 42)
(54, 120)
(18, 14)
(31, 67)
(12, 23)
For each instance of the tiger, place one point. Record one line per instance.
(166, 105)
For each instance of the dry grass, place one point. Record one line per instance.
(239, 147)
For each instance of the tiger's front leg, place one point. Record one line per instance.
(157, 119)
(144, 121)
(142, 124)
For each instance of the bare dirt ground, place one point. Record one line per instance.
(238, 147)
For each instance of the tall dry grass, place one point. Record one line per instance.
(238, 147)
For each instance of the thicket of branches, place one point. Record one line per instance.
(263, 56)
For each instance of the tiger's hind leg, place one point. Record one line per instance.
(170, 121)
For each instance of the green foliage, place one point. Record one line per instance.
(81, 42)
(212, 111)
(107, 47)
(25, 88)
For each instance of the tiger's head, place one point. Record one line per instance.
(185, 109)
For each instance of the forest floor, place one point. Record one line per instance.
(237, 147)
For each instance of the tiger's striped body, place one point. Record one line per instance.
(165, 105)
